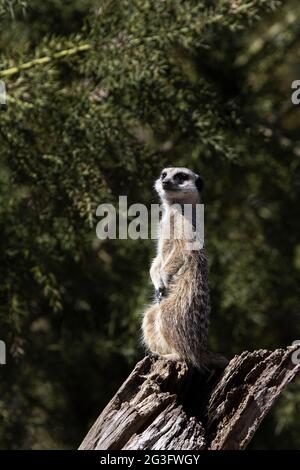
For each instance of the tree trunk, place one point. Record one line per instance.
(165, 405)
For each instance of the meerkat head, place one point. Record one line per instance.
(179, 185)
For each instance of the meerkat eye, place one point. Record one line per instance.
(163, 175)
(181, 177)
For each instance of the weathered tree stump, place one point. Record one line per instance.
(164, 405)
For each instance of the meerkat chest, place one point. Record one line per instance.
(175, 232)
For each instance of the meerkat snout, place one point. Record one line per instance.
(180, 185)
(167, 184)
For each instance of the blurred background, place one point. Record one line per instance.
(101, 95)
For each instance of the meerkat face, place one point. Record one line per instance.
(179, 185)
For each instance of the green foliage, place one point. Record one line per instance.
(205, 84)
(8, 6)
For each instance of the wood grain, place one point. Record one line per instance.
(164, 405)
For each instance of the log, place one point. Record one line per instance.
(165, 405)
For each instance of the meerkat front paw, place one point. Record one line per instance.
(160, 293)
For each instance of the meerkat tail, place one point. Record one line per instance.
(212, 360)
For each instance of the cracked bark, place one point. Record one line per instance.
(164, 405)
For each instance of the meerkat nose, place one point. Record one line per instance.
(167, 184)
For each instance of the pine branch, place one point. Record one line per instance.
(243, 15)
(45, 60)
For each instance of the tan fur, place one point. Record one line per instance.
(176, 327)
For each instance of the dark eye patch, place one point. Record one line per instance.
(163, 175)
(181, 176)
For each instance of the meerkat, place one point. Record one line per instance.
(175, 326)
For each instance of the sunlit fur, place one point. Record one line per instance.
(177, 326)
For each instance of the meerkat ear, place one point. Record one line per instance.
(199, 183)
